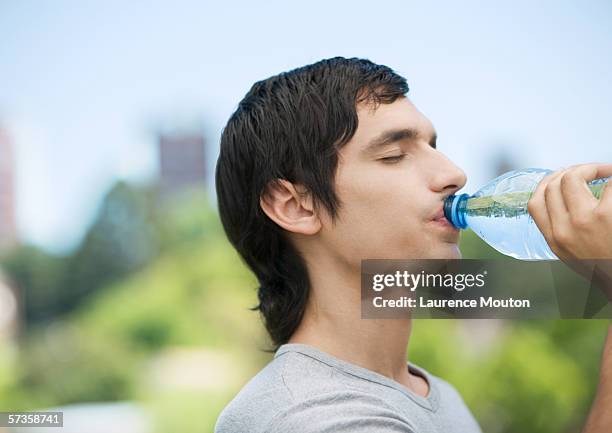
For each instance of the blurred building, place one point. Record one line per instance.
(182, 161)
(8, 236)
(9, 317)
(8, 230)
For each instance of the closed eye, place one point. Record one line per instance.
(392, 159)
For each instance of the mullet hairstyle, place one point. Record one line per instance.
(290, 126)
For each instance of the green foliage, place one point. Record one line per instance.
(189, 297)
(197, 293)
(472, 247)
(120, 241)
(9, 390)
(38, 276)
(61, 364)
(182, 411)
(517, 378)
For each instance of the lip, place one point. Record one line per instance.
(439, 214)
(440, 220)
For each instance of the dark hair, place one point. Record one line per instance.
(290, 126)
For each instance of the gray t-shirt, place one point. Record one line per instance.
(304, 390)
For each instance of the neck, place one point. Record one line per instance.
(332, 323)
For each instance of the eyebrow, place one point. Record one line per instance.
(394, 135)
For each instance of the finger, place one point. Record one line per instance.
(558, 215)
(578, 177)
(556, 212)
(538, 210)
(579, 199)
(553, 196)
(537, 206)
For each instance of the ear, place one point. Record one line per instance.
(290, 206)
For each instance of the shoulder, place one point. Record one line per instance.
(256, 402)
(286, 380)
(341, 411)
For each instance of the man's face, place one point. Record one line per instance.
(391, 182)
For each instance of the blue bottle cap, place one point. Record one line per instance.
(454, 207)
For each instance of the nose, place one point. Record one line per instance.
(447, 177)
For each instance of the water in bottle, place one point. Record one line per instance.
(498, 214)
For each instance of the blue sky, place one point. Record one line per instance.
(82, 84)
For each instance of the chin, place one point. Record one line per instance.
(449, 251)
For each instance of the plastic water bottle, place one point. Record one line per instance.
(498, 214)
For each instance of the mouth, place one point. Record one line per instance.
(440, 221)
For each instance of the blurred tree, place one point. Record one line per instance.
(122, 238)
(37, 275)
(196, 293)
(61, 364)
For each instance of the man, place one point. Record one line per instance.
(319, 168)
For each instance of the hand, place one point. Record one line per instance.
(574, 223)
(577, 226)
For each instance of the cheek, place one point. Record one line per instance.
(380, 217)
(383, 195)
